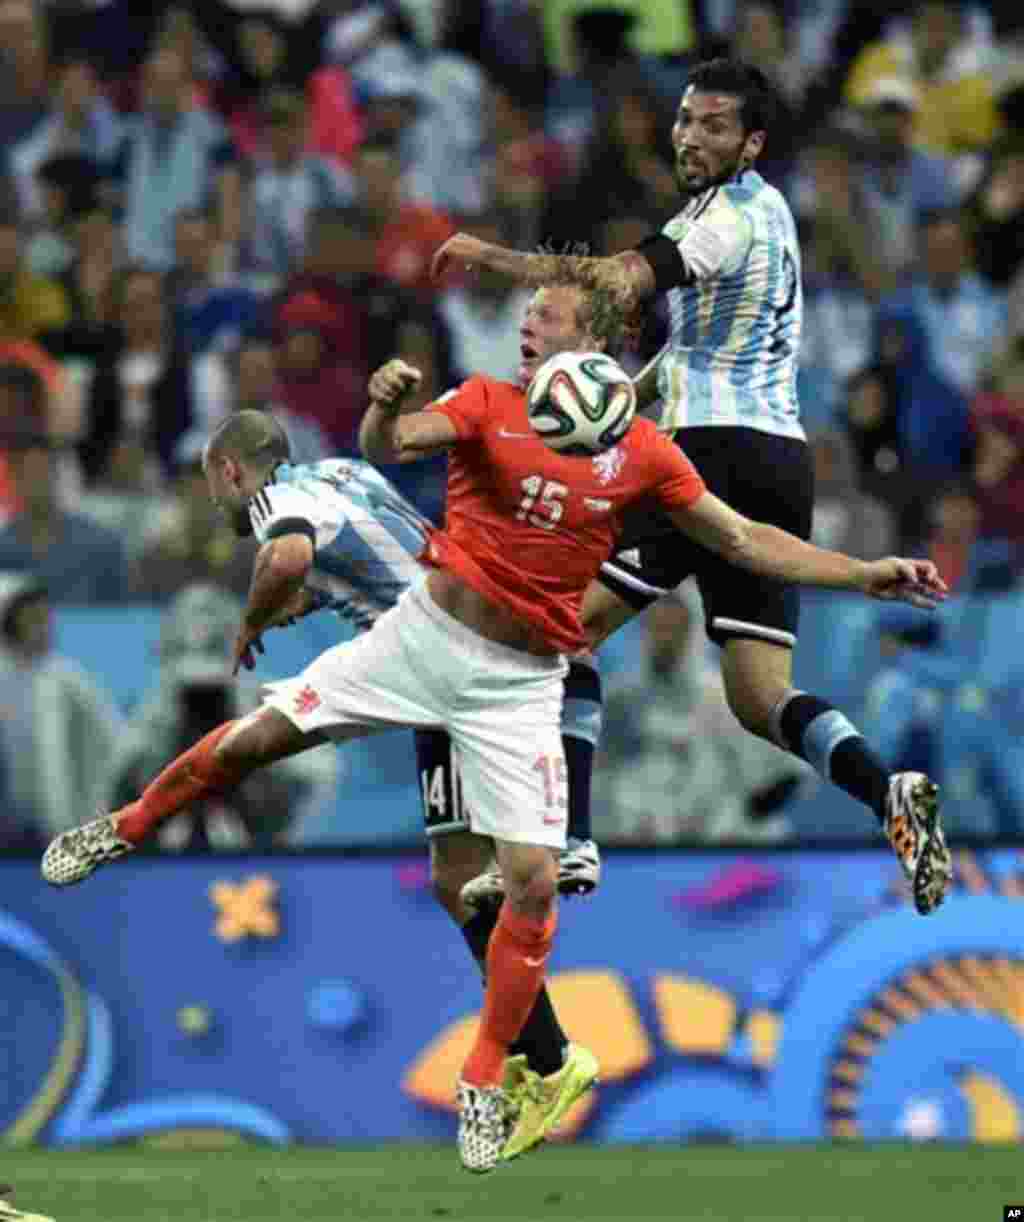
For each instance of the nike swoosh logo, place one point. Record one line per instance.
(503, 432)
(534, 962)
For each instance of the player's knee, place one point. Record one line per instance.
(752, 705)
(531, 880)
(244, 745)
(754, 684)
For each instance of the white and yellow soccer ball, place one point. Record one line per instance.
(581, 402)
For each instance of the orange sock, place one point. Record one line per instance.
(516, 954)
(191, 776)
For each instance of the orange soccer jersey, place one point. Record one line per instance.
(528, 528)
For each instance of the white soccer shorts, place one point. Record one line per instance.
(418, 667)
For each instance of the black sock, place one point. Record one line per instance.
(581, 729)
(542, 1040)
(832, 744)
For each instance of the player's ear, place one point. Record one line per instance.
(752, 147)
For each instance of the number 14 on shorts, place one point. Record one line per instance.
(555, 787)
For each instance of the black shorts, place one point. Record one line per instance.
(764, 477)
(440, 784)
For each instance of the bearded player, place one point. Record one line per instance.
(729, 262)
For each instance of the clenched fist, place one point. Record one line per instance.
(392, 382)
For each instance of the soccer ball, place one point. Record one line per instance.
(581, 402)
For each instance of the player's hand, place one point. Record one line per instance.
(300, 604)
(392, 382)
(460, 248)
(911, 581)
(247, 645)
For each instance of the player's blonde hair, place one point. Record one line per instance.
(608, 311)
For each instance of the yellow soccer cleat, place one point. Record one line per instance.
(540, 1104)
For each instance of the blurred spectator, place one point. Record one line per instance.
(997, 423)
(936, 337)
(870, 417)
(58, 729)
(897, 181)
(844, 238)
(957, 114)
(174, 157)
(447, 154)
(113, 35)
(846, 519)
(77, 560)
(528, 164)
(140, 399)
(335, 322)
(431, 101)
(651, 28)
(405, 234)
(192, 542)
(322, 329)
(953, 529)
(576, 100)
(510, 42)
(262, 49)
(626, 168)
(81, 123)
(484, 316)
(676, 765)
(288, 185)
(212, 310)
(89, 283)
(23, 411)
(69, 186)
(995, 214)
(29, 304)
(256, 389)
(838, 335)
(24, 69)
(762, 37)
(196, 693)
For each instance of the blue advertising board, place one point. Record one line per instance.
(772, 996)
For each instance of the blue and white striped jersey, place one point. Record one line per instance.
(734, 338)
(366, 536)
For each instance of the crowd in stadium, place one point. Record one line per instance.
(213, 206)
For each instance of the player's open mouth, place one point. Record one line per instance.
(528, 352)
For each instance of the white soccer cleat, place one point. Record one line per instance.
(485, 1120)
(579, 873)
(912, 828)
(75, 854)
(8, 1213)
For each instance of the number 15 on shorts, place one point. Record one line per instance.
(554, 787)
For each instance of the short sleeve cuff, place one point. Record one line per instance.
(292, 526)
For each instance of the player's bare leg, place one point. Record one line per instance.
(544, 1073)
(216, 764)
(759, 687)
(758, 678)
(516, 954)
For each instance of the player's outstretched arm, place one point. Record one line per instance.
(387, 436)
(278, 578)
(772, 552)
(629, 272)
